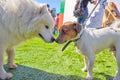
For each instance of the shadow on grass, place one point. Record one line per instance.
(27, 73)
(108, 77)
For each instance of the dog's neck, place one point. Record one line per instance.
(79, 35)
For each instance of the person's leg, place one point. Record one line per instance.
(79, 20)
(85, 16)
(82, 20)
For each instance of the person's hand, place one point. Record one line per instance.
(94, 2)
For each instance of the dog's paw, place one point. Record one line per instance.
(89, 78)
(84, 69)
(12, 65)
(4, 76)
(117, 76)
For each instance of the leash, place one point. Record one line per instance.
(103, 3)
(66, 45)
(91, 13)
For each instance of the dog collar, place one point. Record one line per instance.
(74, 40)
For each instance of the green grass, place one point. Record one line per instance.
(38, 60)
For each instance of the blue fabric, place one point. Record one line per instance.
(82, 20)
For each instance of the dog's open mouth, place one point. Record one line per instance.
(50, 40)
(41, 36)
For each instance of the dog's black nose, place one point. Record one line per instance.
(52, 39)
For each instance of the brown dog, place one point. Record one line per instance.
(111, 14)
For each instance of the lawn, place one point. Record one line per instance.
(38, 60)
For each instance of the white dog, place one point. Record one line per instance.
(21, 20)
(91, 41)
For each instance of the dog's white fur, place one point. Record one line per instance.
(21, 20)
(90, 41)
(93, 41)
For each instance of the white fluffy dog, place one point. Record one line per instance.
(91, 41)
(21, 20)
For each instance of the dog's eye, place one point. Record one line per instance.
(46, 27)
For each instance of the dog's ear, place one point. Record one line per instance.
(77, 27)
(43, 8)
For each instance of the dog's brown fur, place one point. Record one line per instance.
(110, 15)
(69, 31)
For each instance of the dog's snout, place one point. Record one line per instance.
(52, 39)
